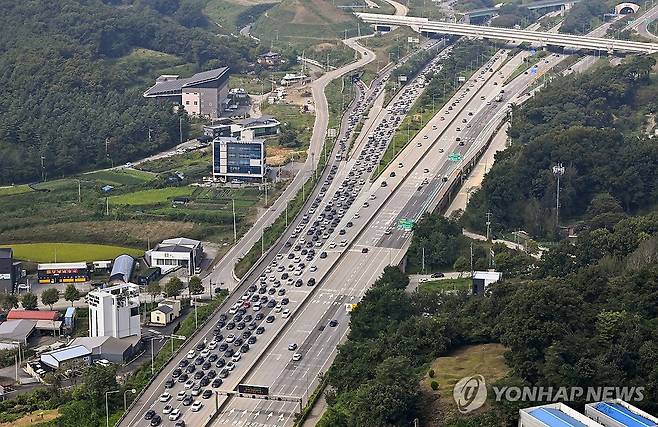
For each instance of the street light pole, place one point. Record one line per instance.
(107, 407)
(235, 230)
(125, 401)
(558, 171)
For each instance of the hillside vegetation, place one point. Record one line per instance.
(73, 73)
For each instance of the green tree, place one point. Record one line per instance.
(97, 381)
(195, 286)
(71, 293)
(8, 301)
(154, 289)
(29, 301)
(49, 297)
(461, 264)
(173, 287)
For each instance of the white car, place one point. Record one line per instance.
(285, 313)
(296, 357)
(236, 357)
(181, 395)
(212, 345)
(164, 397)
(313, 268)
(343, 243)
(230, 338)
(189, 383)
(175, 414)
(196, 406)
(277, 309)
(191, 354)
(205, 353)
(332, 245)
(255, 307)
(230, 366)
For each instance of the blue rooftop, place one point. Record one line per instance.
(623, 415)
(555, 418)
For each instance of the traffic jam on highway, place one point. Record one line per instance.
(218, 355)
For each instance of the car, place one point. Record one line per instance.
(333, 323)
(292, 346)
(260, 330)
(156, 420)
(285, 314)
(179, 423)
(270, 319)
(183, 363)
(230, 366)
(437, 275)
(164, 397)
(196, 390)
(175, 414)
(149, 414)
(323, 255)
(236, 357)
(217, 382)
(285, 301)
(207, 394)
(364, 250)
(181, 395)
(188, 401)
(252, 340)
(182, 378)
(296, 357)
(167, 409)
(191, 354)
(196, 406)
(169, 383)
(198, 375)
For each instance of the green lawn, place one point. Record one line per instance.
(69, 252)
(436, 286)
(120, 177)
(14, 189)
(151, 197)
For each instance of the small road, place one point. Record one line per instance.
(400, 9)
(640, 23)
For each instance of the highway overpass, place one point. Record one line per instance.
(424, 25)
(490, 11)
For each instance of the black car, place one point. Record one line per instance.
(220, 363)
(230, 325)
(219, 337)
(437, 275)
(156, 420)
(248, 318)
(323, 255)
(269, 319)
(262, 290)
(349, 224)
(285, 301)
(179, 423)
(187, 401)
(252, 288)
(211, 374)
(254, 298)
(238, 342)
(237, 318)
(198, 375)
(223, 373)
(190, 369)
(176, 373)
(342, 231)
(291, 255)
(204, 381)
(217, 382)
(169, 383)
(223, 346)
(311, 281)
(260, 330)
(200, 346)
(244, 348)
(229, 352)
(281, 292)
(246, 334)
(364, 250)
(182, 378)
(333, 323)
(284, 276)
(252, 326)
(212, 357)
(299, 283)
(207, 394)
(259, 316)
(206, 365)
(149, 414)
(252, 340)
(240, 326)
(271, 303)
(199, 360)
(271, 291)
(183, 363)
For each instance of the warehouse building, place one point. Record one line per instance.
(173, 253)
(73, 272)
(10, 271)
(238, 159)
(114, 311)
(554, 415)
(203, 94)
(122, 269)
(617, 413)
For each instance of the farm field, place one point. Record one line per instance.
(69, 252)
(150, 197)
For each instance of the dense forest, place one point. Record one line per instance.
(585, 315)
(583, 16)
(71, 98)
(593, 125)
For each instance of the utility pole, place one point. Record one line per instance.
(558, 171)
(149, 136)
(262, 241)
(43, 170)
(180, 129)
(235, 230)
(423, 261)
(79, 193)
(488, 224)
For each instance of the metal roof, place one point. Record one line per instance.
(17, 330)
(553, 417)
(32, 314)
(62, 265)
(164, 309)
(122, 268)
(183, 241)
(623, 415)
(174, 87)
(54, 358)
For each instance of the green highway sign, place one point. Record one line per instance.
(406, 224)
(454, 157)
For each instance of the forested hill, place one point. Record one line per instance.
(73, 73)
(596, 125)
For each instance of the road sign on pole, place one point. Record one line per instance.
(253, 389)
(454, 157)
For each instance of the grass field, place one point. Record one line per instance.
(443, 285)
(69, 252)
(483, 359)
(150, 197)
(14, 189)
(120, 177)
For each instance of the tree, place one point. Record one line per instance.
(8, 301)
(461, 264)
(29, 301)
(71, 293)
(49, 297)
(195, 286)
(173, 287)
(154, 289)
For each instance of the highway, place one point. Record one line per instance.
(641, 22)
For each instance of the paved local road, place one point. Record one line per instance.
(641, 22)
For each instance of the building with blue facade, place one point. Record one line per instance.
(238, 159)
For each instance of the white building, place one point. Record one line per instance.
(114, 311)
(167, 311)
(553, 414)
(617, 413)
(172, 253)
